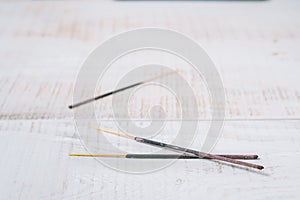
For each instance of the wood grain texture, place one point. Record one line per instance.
(254, 45)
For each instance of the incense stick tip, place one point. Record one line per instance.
(260, 167)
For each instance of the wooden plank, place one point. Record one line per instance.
(37, 165)
(254, 46)
(42, 61)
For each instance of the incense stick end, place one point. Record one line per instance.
(138, 139)
(70, 106)
(260, 167)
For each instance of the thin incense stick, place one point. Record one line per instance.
(162, 156)
(118, 90)
(181, 149)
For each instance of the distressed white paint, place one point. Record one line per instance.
(255, 46)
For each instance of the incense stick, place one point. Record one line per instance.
(162, 156)
(181, 149)
(118, 90)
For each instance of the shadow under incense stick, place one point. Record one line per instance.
(119, 90)
(181, 149)
(161, 156)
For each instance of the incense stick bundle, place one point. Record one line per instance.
(118, 90)
(181, 149)
(162, 156)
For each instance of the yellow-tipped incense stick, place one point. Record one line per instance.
(181, 149)
(161, 156)
(96, 155)
(119, 90)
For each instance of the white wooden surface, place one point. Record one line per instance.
(255, 46)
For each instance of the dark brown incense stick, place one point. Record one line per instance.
(163, 156)
(104, 95)
(196, 153)
(118, 90)
(184, 150)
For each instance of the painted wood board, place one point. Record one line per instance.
(254, 46)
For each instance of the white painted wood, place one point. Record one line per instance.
(254, 45)
(35, 164)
